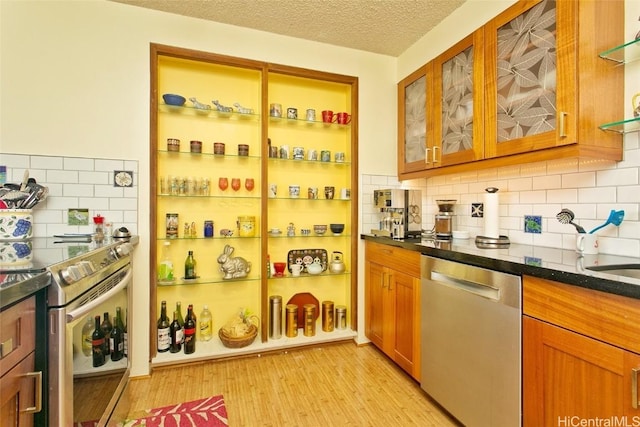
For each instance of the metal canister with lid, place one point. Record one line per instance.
(309, 320)
(341, 317)
(327, 316)
(275, 317)
(291, 320)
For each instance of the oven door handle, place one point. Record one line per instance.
(86, 308)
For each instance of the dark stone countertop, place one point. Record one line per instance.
(561, 265)
(18, 286)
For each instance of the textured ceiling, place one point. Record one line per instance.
(387, 27)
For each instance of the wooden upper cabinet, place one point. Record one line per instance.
(459, 99)
(528, 86)
(415, 127)
(546, 85)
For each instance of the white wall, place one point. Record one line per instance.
(75, 82)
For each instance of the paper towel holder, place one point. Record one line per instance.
(489, 242)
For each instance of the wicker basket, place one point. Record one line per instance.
(238, 342)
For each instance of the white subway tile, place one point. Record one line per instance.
(579, 180)
(619, 177)
(79, 164)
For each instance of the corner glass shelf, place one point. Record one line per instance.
(622, 126)
(623, 54)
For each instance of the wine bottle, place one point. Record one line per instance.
(190, 331)
(164, 339)
(176, 333)
(190, 267)
(106, 327)
(117, 337)
(180, 319)
(87, 331)
(126, 334)
(97, 344)
(206, 324)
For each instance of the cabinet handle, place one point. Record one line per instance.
(37, 393)
(389, 280)
(426, 155)
(561, 124)
(435, 157)
(383, 280)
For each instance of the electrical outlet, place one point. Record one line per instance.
(477, 210)
(533, 224)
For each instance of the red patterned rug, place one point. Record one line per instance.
(209, 412)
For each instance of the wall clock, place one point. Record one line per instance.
(122, 178)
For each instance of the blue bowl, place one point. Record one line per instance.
(172, 99)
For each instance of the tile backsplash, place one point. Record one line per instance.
(77, 183)
(590, 188)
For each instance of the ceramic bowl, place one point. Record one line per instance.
(173, 99)
(320, 228)
(336, 228)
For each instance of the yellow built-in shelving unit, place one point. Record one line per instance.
(253, 85)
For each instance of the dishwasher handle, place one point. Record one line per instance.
(479, 289)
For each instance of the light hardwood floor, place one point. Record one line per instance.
(334, 385)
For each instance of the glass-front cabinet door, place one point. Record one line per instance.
(415, 126)
(531, 95)
(459, 95)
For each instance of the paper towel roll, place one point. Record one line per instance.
(491, 206)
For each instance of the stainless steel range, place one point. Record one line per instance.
(92, 281)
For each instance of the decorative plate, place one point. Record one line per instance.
(306, 257)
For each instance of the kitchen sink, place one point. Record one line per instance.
(627, 270)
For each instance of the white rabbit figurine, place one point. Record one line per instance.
(233, 267)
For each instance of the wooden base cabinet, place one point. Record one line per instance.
(19, 396)
(392, 301)
(578, 363)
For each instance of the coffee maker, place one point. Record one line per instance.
(401, 213)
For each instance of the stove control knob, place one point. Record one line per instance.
(86, 267)
(124, 249)
(71, 274)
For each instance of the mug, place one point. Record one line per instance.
(296, 269)
(311, 115)
(325, 155)
(298, 153)
(273, 190)
(312, 193)
(345, 193)
(294, 191)
(327, 116)
(587, 244)
(275, 110)
(312, 155)
(218, 148)
(273, 152)
(292, 113)
(284, 152)
(339, 157)
(343, 118)
(329, 192)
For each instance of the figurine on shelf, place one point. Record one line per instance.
(221, 107)
(233, 267)
(199, 105)
(242, 110)
(636, 105)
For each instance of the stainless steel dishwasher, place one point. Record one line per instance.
(471, 342)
